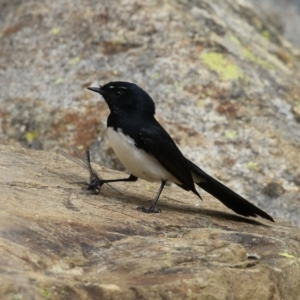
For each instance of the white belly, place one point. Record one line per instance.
(138, 162)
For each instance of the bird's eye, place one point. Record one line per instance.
(118, 93)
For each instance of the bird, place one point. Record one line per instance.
(148, 152)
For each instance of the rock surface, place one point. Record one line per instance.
(226, 84)
(285, 15)
(59, 242)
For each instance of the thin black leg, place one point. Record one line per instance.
(97, 183)
(152, 208)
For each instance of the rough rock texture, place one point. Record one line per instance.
(226, 84)
(284, 14)
(59, 242)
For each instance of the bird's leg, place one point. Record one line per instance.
(152, 208)
(96, 183)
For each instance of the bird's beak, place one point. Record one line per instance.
(95, 89)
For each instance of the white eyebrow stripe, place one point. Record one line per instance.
(119, 87)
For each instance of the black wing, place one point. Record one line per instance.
(157, 142)
(227, 196)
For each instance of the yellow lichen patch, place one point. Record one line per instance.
(253, 166)
(201, 103)
(259, 61)
(235, 40)
(58, 80)
(230, 135)
(266, 34)
(30, 136)
(155, 76)
(287, 255)
(55, 30)
(45, 293)
(225, 68)
(284, 254)
(74, 61)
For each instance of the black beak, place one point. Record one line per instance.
(95, 89)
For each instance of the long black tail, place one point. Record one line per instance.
(227, 196)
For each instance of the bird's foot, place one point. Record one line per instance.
(149, 210)
(95, 186)
(92, 187)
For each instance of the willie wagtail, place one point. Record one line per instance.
(148, 152)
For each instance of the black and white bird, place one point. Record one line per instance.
(148, 152)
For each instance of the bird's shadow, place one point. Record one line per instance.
(131, 197)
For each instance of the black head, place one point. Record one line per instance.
(126, 97)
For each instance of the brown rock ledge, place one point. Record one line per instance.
(59, 242)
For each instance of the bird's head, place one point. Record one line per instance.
(126, 97)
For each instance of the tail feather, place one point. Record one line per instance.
(227, 196)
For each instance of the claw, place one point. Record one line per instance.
(149, 210)
(95, 185)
